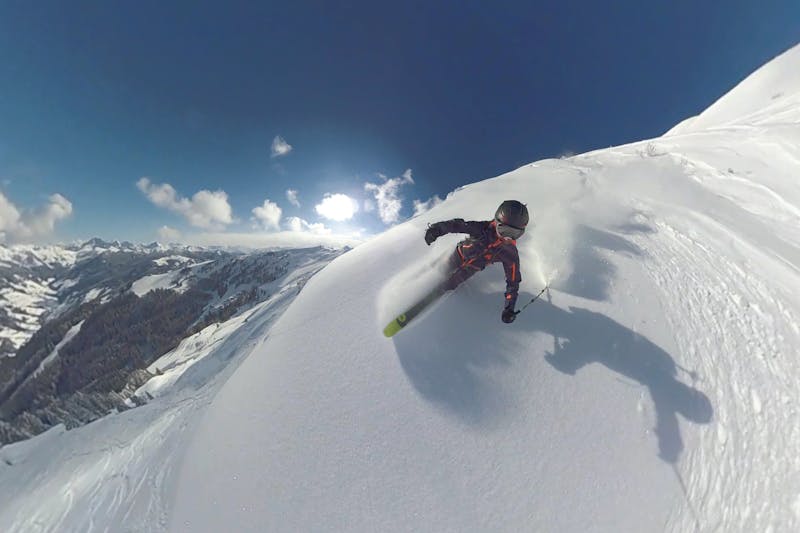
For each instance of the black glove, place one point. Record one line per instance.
(432, 234)
(509, 315)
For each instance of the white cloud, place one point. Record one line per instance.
(337, 207)
(291, 195)
(167, 234)
(299, 225)
(280, 147)
(369, 206)
(20, 226)
(9, 219)
(386, 194)
(421, 207)
(206, 209)
(8, 212)
(43, 220)
(268, 215)
(210, 207)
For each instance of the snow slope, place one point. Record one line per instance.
(653, 388)
(769, 94)
(656, 389)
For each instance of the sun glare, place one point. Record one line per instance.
(337, 207)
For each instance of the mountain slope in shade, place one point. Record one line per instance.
(112, 313)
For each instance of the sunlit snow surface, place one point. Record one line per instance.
(654, 387)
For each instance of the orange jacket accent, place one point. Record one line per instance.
(484, 247)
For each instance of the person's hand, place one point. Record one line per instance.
(432, 234)
(509, 315)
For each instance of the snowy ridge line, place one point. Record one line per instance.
(757, 94)
(757, 119)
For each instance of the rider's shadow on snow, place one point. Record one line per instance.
(593, 272)
(583, 337)
(450, 362)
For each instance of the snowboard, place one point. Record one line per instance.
(404, 318)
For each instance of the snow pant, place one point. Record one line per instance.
(459, 273)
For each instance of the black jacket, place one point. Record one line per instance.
(483, 247)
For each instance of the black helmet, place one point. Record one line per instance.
(511, 217)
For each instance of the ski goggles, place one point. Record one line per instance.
(509, 232)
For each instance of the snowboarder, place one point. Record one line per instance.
(488, 242)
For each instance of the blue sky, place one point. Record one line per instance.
(415, 98)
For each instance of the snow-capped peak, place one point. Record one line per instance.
(32, 256)
(771, 93)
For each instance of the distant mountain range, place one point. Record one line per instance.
(79, 324)
(38, 283)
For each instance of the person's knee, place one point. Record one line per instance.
(459, 277)
(455, 261)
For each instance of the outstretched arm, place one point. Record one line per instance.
(456, 225)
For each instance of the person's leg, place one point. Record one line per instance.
(458, 275)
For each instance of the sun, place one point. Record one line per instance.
(337, 207)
